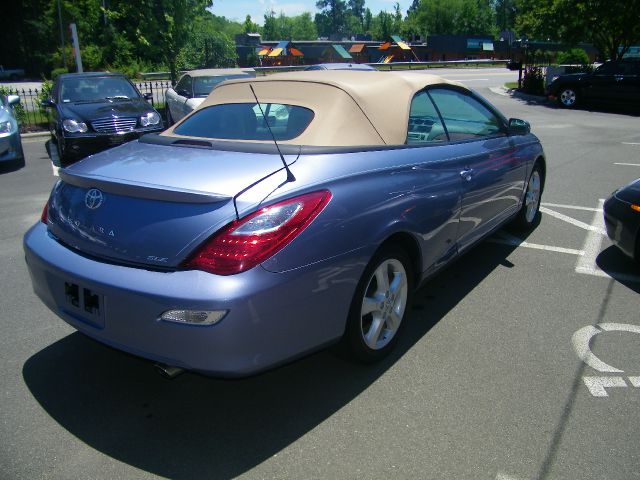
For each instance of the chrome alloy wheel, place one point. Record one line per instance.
(532, 197)
(568, 97)
(384, 303)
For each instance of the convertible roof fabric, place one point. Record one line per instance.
(352, 108)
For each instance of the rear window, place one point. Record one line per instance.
(245, 121)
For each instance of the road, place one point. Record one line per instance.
(492, 379)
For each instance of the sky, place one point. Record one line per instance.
(238, 9)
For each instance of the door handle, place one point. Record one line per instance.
(467, 174)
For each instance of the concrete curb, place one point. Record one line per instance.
(35, 134)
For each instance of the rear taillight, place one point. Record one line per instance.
(245, 243)
(45, 213)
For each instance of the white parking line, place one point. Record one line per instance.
(577, 223)
(629, 164)
(571, 207)
(593, 242)
(507, 239)
(631, 143)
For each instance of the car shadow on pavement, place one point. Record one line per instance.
(620, 267)
(543, 101)
(199, 427)
(8, 167)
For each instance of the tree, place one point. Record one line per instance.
(454, 17)
(249, 27)
(335, 10)
(611, 25)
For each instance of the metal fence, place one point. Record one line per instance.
(33, 117)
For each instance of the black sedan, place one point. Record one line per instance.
(90, 112)
(622, 218)
(615, 82)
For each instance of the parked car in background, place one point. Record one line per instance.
(615, 82)
(10, 143)
(194, 86)
(211, 247)
(90, 112)
(11, 73)
(622, 219)
(340, 66)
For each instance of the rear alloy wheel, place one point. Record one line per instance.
(568, 97)
(531, 205)
(379, 306)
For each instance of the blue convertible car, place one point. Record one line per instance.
(286, 213)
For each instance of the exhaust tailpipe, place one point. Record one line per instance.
(168, 371)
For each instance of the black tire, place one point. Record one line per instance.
(568, 97)
(529, 213)
(370, 336)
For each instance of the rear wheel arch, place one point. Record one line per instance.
(406, 242)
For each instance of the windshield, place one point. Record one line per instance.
(91, 89)
(202, 86)
(245, 121)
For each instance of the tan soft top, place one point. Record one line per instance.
(351, 107)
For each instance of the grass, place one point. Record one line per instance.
(511, 85)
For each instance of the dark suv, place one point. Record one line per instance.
(615, 82)
(90, 112)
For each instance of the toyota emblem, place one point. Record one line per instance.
(93, 199)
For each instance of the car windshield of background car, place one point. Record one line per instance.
(96, 89)
(245, 121)
(202, 86)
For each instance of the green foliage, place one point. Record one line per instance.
(18, 109)
(45, 94)
(455, 17)
(612, 25)
(281, 27)
(533, 81)
(574, 56)
(56, 72)
(335, 12)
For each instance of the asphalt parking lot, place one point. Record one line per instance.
(521, 361)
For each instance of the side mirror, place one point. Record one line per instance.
(148, 96)
(13, 99)
(47, 103)
(519, 127)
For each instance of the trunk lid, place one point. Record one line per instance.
(152, 204)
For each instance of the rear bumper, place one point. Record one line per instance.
(623, 225)
(272, 317)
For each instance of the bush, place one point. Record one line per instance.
(56, 72)
(575, 56)
(533, 81)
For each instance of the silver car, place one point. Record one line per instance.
(10, 144)
(194, 86)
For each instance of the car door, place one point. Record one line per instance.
(492, 175)
(604, 84)
(437, 183)
(176, 100)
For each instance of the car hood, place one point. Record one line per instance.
(630, 193)
(88, 111)
(147, 204)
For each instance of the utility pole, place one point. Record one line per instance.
(76, 46)
(64, 56)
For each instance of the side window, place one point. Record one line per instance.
(184, 85)
(424, 122)
(464, 116)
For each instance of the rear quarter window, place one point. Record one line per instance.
(247, 121)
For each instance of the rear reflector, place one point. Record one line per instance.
(193, 317)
